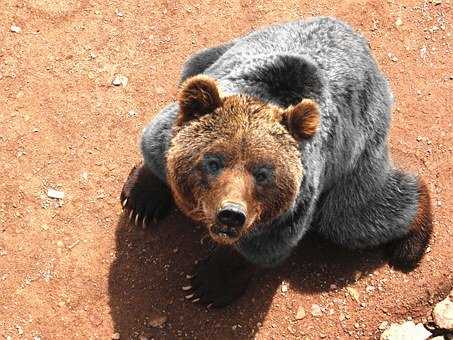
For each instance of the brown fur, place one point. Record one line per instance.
(247, 133)
(302, 120)
(233, 185)
(409, 250)
(199, 95)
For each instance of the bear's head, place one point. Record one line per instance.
(234, 161)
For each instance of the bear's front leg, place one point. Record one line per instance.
(145, 197)
(220, 279)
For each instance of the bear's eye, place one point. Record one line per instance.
(262, 175)
(213, 164)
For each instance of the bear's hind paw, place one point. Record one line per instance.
(406, 253)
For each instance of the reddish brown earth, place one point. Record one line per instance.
(73, 269)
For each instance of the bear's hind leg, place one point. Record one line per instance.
(390, 209)
(406, 252)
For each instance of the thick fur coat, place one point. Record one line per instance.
(350, 193)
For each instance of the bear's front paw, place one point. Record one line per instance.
(220, 279)
(144, 197)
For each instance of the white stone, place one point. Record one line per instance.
(407, 330)
(443, 314)
(119, 79)
(316, 310)
(52, 193)
(15, 29)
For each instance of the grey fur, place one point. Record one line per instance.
(351, 192)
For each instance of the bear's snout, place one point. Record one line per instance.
(230, 219)
(232, 215)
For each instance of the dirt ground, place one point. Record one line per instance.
(72, 268)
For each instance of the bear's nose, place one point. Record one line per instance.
(232, 215)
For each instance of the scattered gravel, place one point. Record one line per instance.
(443, 317)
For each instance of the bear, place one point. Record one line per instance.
(274, 134)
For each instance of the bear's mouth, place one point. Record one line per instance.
(223, 234)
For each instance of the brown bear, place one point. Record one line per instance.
(274, 134)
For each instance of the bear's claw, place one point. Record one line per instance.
(144, 197)
(219, 279)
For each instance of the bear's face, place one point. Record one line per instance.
(234, 162)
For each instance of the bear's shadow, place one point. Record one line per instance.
(150, 268)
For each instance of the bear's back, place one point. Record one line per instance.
(342, 54)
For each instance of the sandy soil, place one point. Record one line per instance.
(72, 268)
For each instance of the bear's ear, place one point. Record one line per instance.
(198, 96)
(302, 120)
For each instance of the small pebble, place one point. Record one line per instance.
(284, 287)
(52, 193)
(116, 336)
(398, 22)
(158, 321)
(423, 52)
(353, 293)
(132, 113)
(316, 310)
(300, 313)
(383, 326)
(119, 80)
(370, 289)
(84, 176)
(159, 90)
(15, 29)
